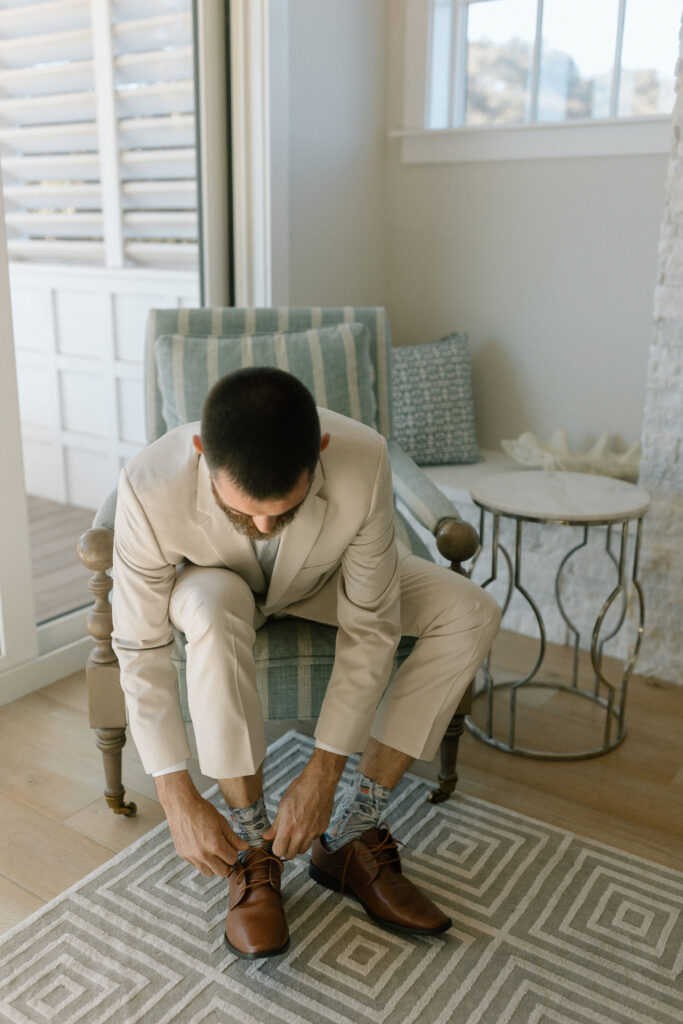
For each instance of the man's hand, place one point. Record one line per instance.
(306, 806)
(200, 833)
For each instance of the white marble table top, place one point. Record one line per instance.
(563, 497)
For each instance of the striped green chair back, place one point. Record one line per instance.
(236, 323)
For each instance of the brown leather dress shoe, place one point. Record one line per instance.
(256, 925)
(369, 868)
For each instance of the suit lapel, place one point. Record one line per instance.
(297, 540)
(232, 547)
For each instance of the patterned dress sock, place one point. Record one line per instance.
(361, 807)
(250, 823)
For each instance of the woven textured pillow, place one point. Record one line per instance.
(333, 362)
(432, 399)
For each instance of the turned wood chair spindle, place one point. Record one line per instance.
(458, 542)
(105, 696)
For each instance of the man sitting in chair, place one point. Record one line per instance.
(276, 508)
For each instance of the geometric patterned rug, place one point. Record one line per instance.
(548, 928)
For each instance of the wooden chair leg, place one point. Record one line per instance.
(106, 705)
(457, 541)
(111, 743)
(448, 776)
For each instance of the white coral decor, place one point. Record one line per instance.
(528, 450)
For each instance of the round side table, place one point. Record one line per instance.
(567, 499)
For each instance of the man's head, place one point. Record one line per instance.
(260, 435)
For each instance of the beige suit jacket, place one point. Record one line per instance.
(166, 515)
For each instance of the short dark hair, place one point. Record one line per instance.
(260, 426)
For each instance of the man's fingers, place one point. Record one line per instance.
(234, 839)
(219, 867)
(271, 832)
(288, 847)
(202, 868)
(281, 845)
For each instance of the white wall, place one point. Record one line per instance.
(550, 265)
(337, 143)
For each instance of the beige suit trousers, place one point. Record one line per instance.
(454, 620)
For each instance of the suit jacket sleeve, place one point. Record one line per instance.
(143, 638)
(368, 608)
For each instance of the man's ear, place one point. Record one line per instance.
(324, 441)
(197, 442)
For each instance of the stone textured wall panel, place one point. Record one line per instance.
(662, 465)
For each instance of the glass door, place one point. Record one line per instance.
(100, 183)
(99, 176)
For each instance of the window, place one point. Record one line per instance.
(504, 62)
(97, 131)
(529, 79)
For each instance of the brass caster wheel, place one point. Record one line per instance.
(119, 806)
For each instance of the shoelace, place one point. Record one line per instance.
(257, 865)
(385, 852)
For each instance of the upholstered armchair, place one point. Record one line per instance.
(344, 356)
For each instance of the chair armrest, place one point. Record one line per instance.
(104, 517)
(96, 549)
(456, 540)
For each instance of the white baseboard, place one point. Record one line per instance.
(33, 675)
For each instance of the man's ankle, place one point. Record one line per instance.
(250, 822)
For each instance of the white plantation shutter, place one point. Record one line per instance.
(48, 135)
(97, 132)
(153, 77)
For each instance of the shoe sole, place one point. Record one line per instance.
(255, 956)
(331, 883)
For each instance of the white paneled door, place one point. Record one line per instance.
(79, 335)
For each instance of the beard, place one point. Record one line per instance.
(244, 524)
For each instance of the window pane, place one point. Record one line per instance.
(440, 64)
(577, 59)
(649, 57)
(500, 50)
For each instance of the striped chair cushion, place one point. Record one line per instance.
(333, 363)
(227, 321)
(294, 661)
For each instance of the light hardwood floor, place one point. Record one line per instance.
(55, 827)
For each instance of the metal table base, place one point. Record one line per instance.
(610, 697)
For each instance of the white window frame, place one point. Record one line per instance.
(606, 137)
(259, 50)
